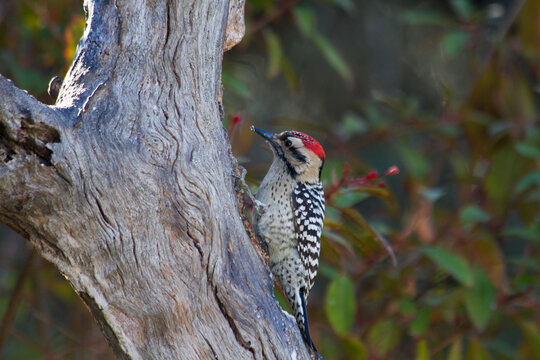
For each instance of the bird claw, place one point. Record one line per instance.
(259, 206)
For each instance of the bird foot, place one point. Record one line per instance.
(259, 206)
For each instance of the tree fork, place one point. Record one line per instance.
(127, 185)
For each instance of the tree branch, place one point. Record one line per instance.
(236, 26)
(127, 186)
(26, 125)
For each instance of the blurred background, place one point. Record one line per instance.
(447, 91)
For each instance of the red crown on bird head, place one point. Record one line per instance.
(309, 143)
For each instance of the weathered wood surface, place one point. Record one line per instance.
(127, 185)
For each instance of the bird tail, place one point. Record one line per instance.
(300, 314)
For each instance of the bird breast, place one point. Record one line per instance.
(276, 226)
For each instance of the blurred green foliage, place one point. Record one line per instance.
(445, 90)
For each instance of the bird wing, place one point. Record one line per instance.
(308, 216)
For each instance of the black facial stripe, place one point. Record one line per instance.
(297, 155)
(294, 151)
(290, 169)
(284, 136)
(279, 150)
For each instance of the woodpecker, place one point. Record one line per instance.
(289, 216)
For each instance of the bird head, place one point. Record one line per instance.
(302, 155)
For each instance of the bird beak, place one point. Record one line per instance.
(271, 138)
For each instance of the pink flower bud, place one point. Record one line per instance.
(392, 170)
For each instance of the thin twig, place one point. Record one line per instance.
(44, 318)
(274, 14)
(500, 35)
(29, 343)
(15, 299)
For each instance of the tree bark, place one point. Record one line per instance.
(129, 187)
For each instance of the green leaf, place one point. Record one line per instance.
(531, 331)
(235, 84)
(384, 336)
(459, 164)
(373, 191)
(332, 56)
(454, 42)
(531, 234)
(374, 116)
(305, 20)
(479, 299)
(477, 351)
(422, 352)
(453, 264)
(463, 8)
(328, 271)
(529, 180)
(525, 281)
(415, 162)
(502, 348)
(332, 214)
(27, 78)
(340, 304)
(528, 150)
(506, 169)
(348, 199)
(421, 322)
(289, 73)
(436, 300)
(533, 133)
(354, 349)
(472, 214)
(406, 307)
(352, 124)
(455, 350)
(275, 52)
(348, 234)
(531, 263)
(360, 220)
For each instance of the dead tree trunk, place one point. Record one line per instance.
(127, 185)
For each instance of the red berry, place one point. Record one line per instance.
(372, 175)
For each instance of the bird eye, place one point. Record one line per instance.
(288, 143)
